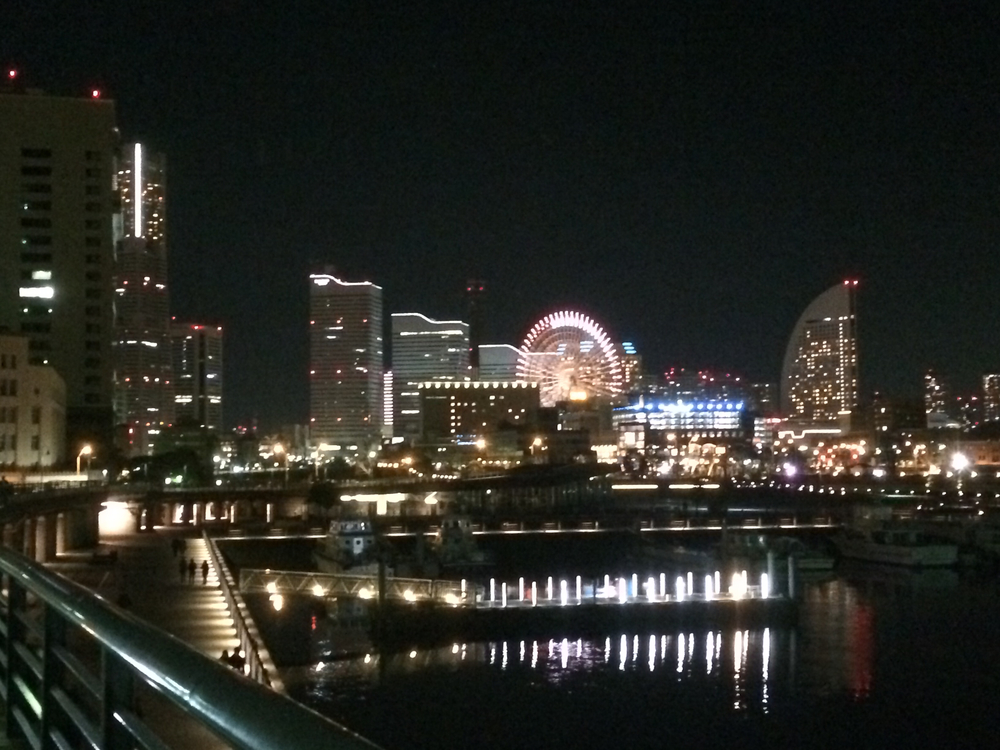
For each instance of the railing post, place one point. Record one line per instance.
(52, 674)
(16, 600)
(118, 693)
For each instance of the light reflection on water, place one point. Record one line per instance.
(875, 657)
(558, 661)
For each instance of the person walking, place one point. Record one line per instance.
(191, 569)
(204, 572)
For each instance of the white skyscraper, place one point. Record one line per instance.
(423, 349)
(345, 372)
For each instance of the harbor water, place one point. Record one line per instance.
(877, 657)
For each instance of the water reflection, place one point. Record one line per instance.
(554, 661)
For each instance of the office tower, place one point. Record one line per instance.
(388, 401)
(56, 212)
(762, 399)
(935, 399)
(498, 362)
(819, 382)
(631, 367)
(196, 362)
(423, 349)
(475, 296)
(991, 397)
(345, 372)
(32, 408)
(144, 399)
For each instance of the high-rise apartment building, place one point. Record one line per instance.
(819, 379)
(196, 362)
(57, 208)
(423, 350)
(345, 370)
(991, 397)
(144, 399)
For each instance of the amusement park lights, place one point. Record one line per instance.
(571, 358)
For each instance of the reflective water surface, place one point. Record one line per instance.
(879, 657)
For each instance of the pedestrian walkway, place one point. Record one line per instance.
(145, 577)
(141, 573)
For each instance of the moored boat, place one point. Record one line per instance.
(896, 545)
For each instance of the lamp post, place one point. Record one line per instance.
(86, 450)
(279, 450)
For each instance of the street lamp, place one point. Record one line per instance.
(279, 450)
(84, 451)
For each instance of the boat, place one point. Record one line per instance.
(349, 546)
(895, 544)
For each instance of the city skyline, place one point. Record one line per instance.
(690, 178)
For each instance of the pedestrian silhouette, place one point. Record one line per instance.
(225, 656)
(237, 660)
(204, 572)
(191, 569)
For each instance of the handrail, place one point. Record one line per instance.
(258, 657)
(241, 712)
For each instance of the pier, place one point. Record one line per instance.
(424, 610)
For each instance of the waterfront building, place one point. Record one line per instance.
(143, 388)
(498, 362)
(32, 408)
(345, 372)
(57, 208)
(470, 411)
(423, 350)
(991, 397)
(196, 361)
(683, 437)
(819, 382)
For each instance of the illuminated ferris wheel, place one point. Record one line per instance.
(571, 358)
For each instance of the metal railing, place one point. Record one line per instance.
(259, 663)
(72, 664)
(362, 586)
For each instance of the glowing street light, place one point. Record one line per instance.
(279, 450)
(87, 451)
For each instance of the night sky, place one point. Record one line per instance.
(691, 174)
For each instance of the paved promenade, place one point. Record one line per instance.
(146, 579)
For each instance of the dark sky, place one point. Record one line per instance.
(691, 174)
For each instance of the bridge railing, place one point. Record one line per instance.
(259, 662)
(72, 665)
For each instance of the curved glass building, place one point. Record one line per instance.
(819, 378)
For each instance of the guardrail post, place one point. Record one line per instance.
(118, 693)
(52, 674)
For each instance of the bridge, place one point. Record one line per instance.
(77, 670)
